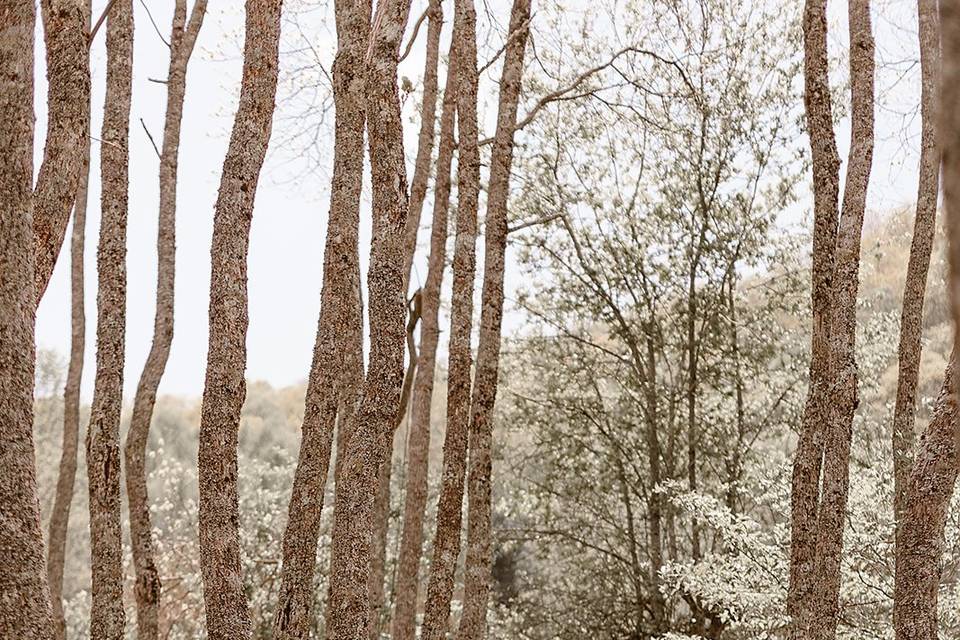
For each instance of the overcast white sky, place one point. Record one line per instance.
(287, 237)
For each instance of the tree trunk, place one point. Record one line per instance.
(915, 286)
(337, 365)
(25, 595)
(224, 386)
(348, 608)
(66, 25)
(147, 588)
(949, 136)
(477, 573)
(418, 445)
(103, 433)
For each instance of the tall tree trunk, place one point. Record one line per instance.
(915, 286)
(66, 25)
(477, 573)
(446, 541)
(147, 589)
(418, 445)
(66, 479)
(949, 136)
(348, 608)
(224, 386)
(103, 433)
(337, 366)
(25, 594)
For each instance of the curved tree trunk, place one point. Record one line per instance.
(224, 386)
(477, 573)
(24, 592)
(103, 433)
(348, 608)
(418, 445)
(66, 25)
(446, 542)
(147, 589)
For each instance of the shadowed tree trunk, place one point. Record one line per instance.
(224, 386)
(446, 542)
(418, 445)
(477, 572)
(948, 134)
(337, 355)
(103, 433)
(147, 587)
(348, 608)
(66, 24)
(24, 592)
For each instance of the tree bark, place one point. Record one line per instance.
(348, 608)
(337, 366)
(66, 25)
(477, 573)
(147, 587)
(24, 591)
(103, 432)
(224, 386)
(418, 445)
(446, 542)
(949, 136)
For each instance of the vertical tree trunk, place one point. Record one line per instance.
(446, 541)
(949, 136)
(224, 386)
(348, 608)
(25, 595)
(65, 28)
(477, 573)
(66, 479)
(915, 286)
(418, 446)
(147, 589)
(103, 433)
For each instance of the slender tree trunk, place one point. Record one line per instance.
(948, 134)
(224, 387)
(103, 433)
(66, 28)
(477, 573)
(915, 286)
(418, 446)
(24, 591)
(446, 541)
(147, 589)
(66, 479)
(348, 608)
(655, 498)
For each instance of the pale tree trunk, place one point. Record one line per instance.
(337, 365)
(818, 516)
(103, 432)
(147, 588)
(227, 615)
(418, 444)
(348, 608)
(67, 475)
(24, 591)
(477, 573)
(948, 134)
(65, 27)
(918, 265)
(446, 541)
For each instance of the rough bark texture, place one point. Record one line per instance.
(147, 588)
(67, 475)
(926, 500)
(446, 542)
(24, 592)
(103, 432)
(949, 136)
(65, 28)
(337, 365)
(915, 287)
(418, 444)
(477, 573)
(348, 608)
(224, 387)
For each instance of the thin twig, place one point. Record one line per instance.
(96, 27)
(155, 27)
(157, 80)
(413, 36)
(144, 124)
(499, 53)
(532, 223)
